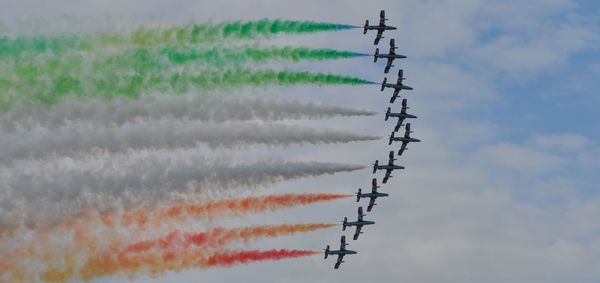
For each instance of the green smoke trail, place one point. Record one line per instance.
(222, 57)
(110, 84)
(176, 35)
(140, 59)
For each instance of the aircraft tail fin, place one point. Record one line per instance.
(344, 223)
(387, 113)
(375, 166)
(366, 24)
(383, 84)
(391, 138)
(358, 195)
(326, 251)
(376, 54)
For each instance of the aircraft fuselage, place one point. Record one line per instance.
(395, 56)
(402, 115)
(389, 167)
(339, 252)
(359, 223)
(380, 27)
(373, 195)
(397, 86)
(405, 139)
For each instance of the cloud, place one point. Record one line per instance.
(562, 142)
(519, 158)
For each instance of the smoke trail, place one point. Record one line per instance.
(16, 47)
(158, 216)
(91, 229)
(187, 107)
(145, 59)
(235, 207)
(220, 57)
(61, 187)
(40, 142)
(181, 260)
(178, 35)
(110, 84)
(217, 237)
(114, 258)
(244, 257)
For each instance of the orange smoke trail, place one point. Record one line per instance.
(92, 232)
(230, 207)
(219, 237)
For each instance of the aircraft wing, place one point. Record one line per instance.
(374, 185)
(357, 232)
(339, 261)
(395, 95)
(388, 174)
(402, 148)
(378, 37)
(388, 66)
(399, 124)
(382, 18)
(371, 203)
(343, 243)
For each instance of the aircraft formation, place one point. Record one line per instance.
(404, 140)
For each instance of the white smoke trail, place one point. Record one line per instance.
(191, 107)
(39, 142)
(51, 189)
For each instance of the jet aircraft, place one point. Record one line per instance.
(340, 253)
(390, 56)
(401, 116)
(405, 139)
(388, 168)
(397, 86)
(373, 195)
(359, 223)
(379, 28)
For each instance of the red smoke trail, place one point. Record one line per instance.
(245, 257)
(219, 237)
(158, 263)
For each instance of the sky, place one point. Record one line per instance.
(503, 186)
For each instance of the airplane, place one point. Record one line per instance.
(380, 28)
(390, 56)
(405, 139)
(397, 86)
(373, 195)
(388, 168)
(340, 253)
(359, 223)
(401, 116)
